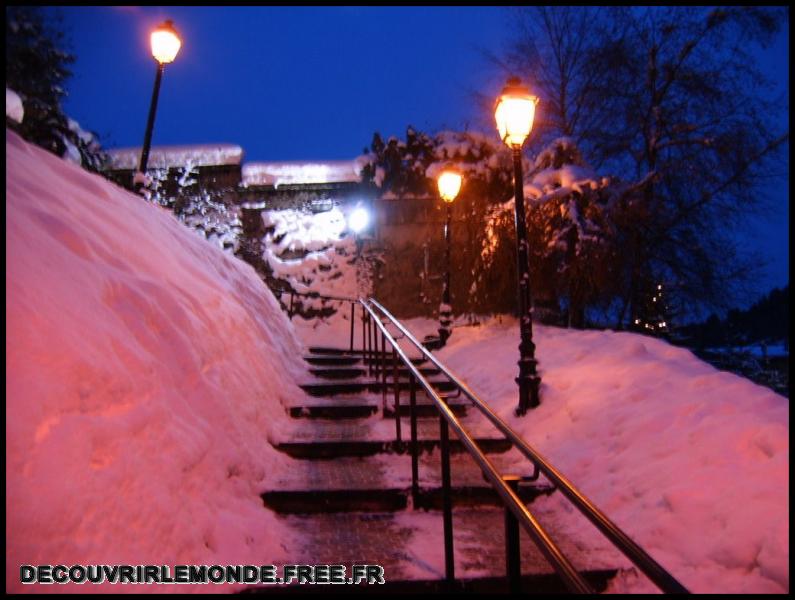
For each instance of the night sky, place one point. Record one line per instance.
(316, 82)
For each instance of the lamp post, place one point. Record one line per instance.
(514, 112)
(165, 45)
(449, 182)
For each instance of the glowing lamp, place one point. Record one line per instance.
(449, 182)
(514, 113)
(165, 43)
(358, 220)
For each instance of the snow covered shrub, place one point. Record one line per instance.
(315, 254)
(37, 68)
(202, 210)
(573, 234)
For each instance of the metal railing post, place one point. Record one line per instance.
(447, 501)
(367, 361)
(383, 372)
(364, 312)
(353, 318)
(371, 343)
(397, 394)
(513, 565)
(415, 459)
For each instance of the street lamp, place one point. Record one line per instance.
(449, 182)
(514, 113)
(165, 45)
(358, 221)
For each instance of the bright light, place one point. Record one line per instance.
(358, 220)
(515, 112)
(449, 182)
(165, 43)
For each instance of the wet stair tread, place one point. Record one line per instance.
(353, 359)
(352, 372)
(389, 472)
(398, 542)
(373, 429)
(331, 387)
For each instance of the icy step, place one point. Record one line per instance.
(320, 350)
(408, 545)
(341, 447)
(350, 386)
(306, 438)
(351, 359)
(349, 372)
(355, 407)
(383, 483)
(389, 499)
(332, 360)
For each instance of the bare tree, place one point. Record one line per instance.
(671, 97)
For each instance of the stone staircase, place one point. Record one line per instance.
(349, 496)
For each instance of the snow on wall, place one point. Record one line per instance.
(693, 463)
(14, 108)
(324, 251)
(172, 157)
(279, 173)
(146, 371)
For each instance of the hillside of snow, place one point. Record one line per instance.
(145, 372)
(692, 462)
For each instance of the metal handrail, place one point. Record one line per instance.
(554, 555)
(352, 301)
(651, 568)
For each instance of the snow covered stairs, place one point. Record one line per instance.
(340, 371)
(344, 383)
(348, 495)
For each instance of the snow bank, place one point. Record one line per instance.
(146, 370)
(692, 462)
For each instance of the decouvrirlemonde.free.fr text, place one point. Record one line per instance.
(166, 574)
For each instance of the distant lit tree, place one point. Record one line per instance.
(401, 169)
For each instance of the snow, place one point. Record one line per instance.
(693, 463)
(314, 253)
(14, 108)
(287, 173)
(71, 153)
(146, 373)
(172, 157)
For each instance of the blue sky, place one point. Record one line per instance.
(300, 83)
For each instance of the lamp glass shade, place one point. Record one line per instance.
(449, 183)
(165, 43)
(515, 112)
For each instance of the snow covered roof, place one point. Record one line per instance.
(286, 173)
(167, 157)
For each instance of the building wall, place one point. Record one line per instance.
(410, 234)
